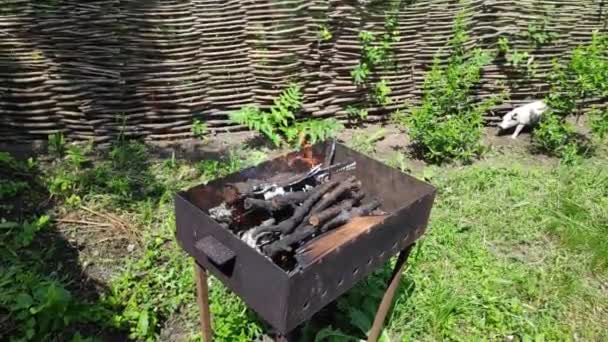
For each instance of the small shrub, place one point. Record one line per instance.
(313, 131)
(279, 124)
(356, 114)
(552, 135)
(448, 124)
(324, 34)
(35, 306)
(381, 94)
(199, 129)
(57, 144)
(10, 188)
(599, 123)
(233, 321)
(517, 61)
(39, 306)
(377, 52)
(232, 162)
(77, 155)
(539, 34)
(365, 143)
(122, 173)
(583, 76)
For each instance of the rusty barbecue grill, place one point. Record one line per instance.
(286, 292)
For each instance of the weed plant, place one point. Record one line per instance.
(448, 124)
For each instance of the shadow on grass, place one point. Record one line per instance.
(45, 293)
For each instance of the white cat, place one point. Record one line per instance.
(526, 115)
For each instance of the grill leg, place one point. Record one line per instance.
(202, 299)
(387, 300)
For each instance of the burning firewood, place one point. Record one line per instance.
(300, 212)
(333, 211)
(282, 213)
(285, 244)
(350, 184)
(346, 216)
(278, 202)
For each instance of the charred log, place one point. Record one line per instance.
(333, 211)
(285, 244)
(344, 212)
(259, 204)
(288, 199)
(346, 216)
(342, 192)
(277, 203)
(300, 212)
(349, 185)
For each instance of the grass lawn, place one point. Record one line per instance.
(516, 250)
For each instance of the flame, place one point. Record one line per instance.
(306, 155)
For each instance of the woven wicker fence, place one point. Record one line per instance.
(96, 69)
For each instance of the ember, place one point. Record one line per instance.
(291, 209)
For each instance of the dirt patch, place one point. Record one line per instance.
(100, 241)
(213, 147)
(500, 148)
(179, 327)
(527, 252)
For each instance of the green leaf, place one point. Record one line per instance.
(384, 337)
(143, 323)
(29, 333)
(325, 334)
(9, 225)
(23, 301)
(359, 319)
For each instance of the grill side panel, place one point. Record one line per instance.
(285, 301)
(339, 271)
(261, 284)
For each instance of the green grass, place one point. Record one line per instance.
(41, 301)
(159, 281)
(510, 251)
(513, 249)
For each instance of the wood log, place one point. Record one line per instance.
(335, 195)
(285, 244)
(291, 198)
(349, 184)
(287, 226)
(259, 204)
(313, 251)
(333, 211)
(307, 231)
(277, 203)
(346, 216)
